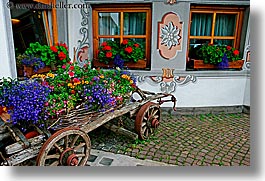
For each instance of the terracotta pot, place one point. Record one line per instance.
(31, 134)
(28, 71)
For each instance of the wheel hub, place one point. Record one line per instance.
(68, 157)
(155, 123)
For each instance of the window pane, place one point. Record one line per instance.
(134, 23)
(201, 24)
(109, 23)
(101, 40)
(225, 25)
(224, 42)
(195, 45)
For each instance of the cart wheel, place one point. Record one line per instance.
(147, 120)
(68, 147)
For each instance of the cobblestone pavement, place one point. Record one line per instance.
(186, 140)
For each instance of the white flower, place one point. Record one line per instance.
(170, 35)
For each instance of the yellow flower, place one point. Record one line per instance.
(101, 76)
(83, 81)
(4, 109)
(50, 75)
(38, 76)
(86, 82)
(70, 84)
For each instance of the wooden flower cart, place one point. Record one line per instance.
(66, 142)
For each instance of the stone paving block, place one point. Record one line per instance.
(216, 138)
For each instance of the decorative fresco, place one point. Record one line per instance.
(170, 35)
(167, 81)
(82, 51)
(247, 58)
(171, 2)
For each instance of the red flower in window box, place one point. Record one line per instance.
(128, 49)
(108, 54)
(61, 56)
(125, 41)
(236, 52)
(131, 51)
(54, 49)
(136, 45)
(107, 48)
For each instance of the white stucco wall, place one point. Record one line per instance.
(207, 92)
(247, 92)
(7, 60)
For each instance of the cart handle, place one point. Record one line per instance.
(173, 99)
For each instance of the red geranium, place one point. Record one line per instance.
(107, 48)
(125, 42)
(108, 54)
(104, 44)
(136, 45)
(228, 47)
(61, 56)
(54, 49)
(236, 52)
(128, 49)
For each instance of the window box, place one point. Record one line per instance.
(28, 71)
(198, 64)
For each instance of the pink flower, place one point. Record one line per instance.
(64, 66)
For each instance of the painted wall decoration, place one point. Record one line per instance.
(167, 81)
(247, 58)
(170, 35)
(171, 2)
(82, 51)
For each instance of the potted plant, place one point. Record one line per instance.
(129, 52)
(19, 64)
(43, 58)
(211, 56)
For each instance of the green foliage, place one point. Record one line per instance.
(129, 50)
(213, 54)
(50, 55)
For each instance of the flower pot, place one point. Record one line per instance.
(28, 71)
(198, 64)
(20, 72)
(31, 134)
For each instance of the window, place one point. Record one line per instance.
(214, 25)
(119, 22)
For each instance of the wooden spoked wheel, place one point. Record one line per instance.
(66, 147)
(147, 120)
